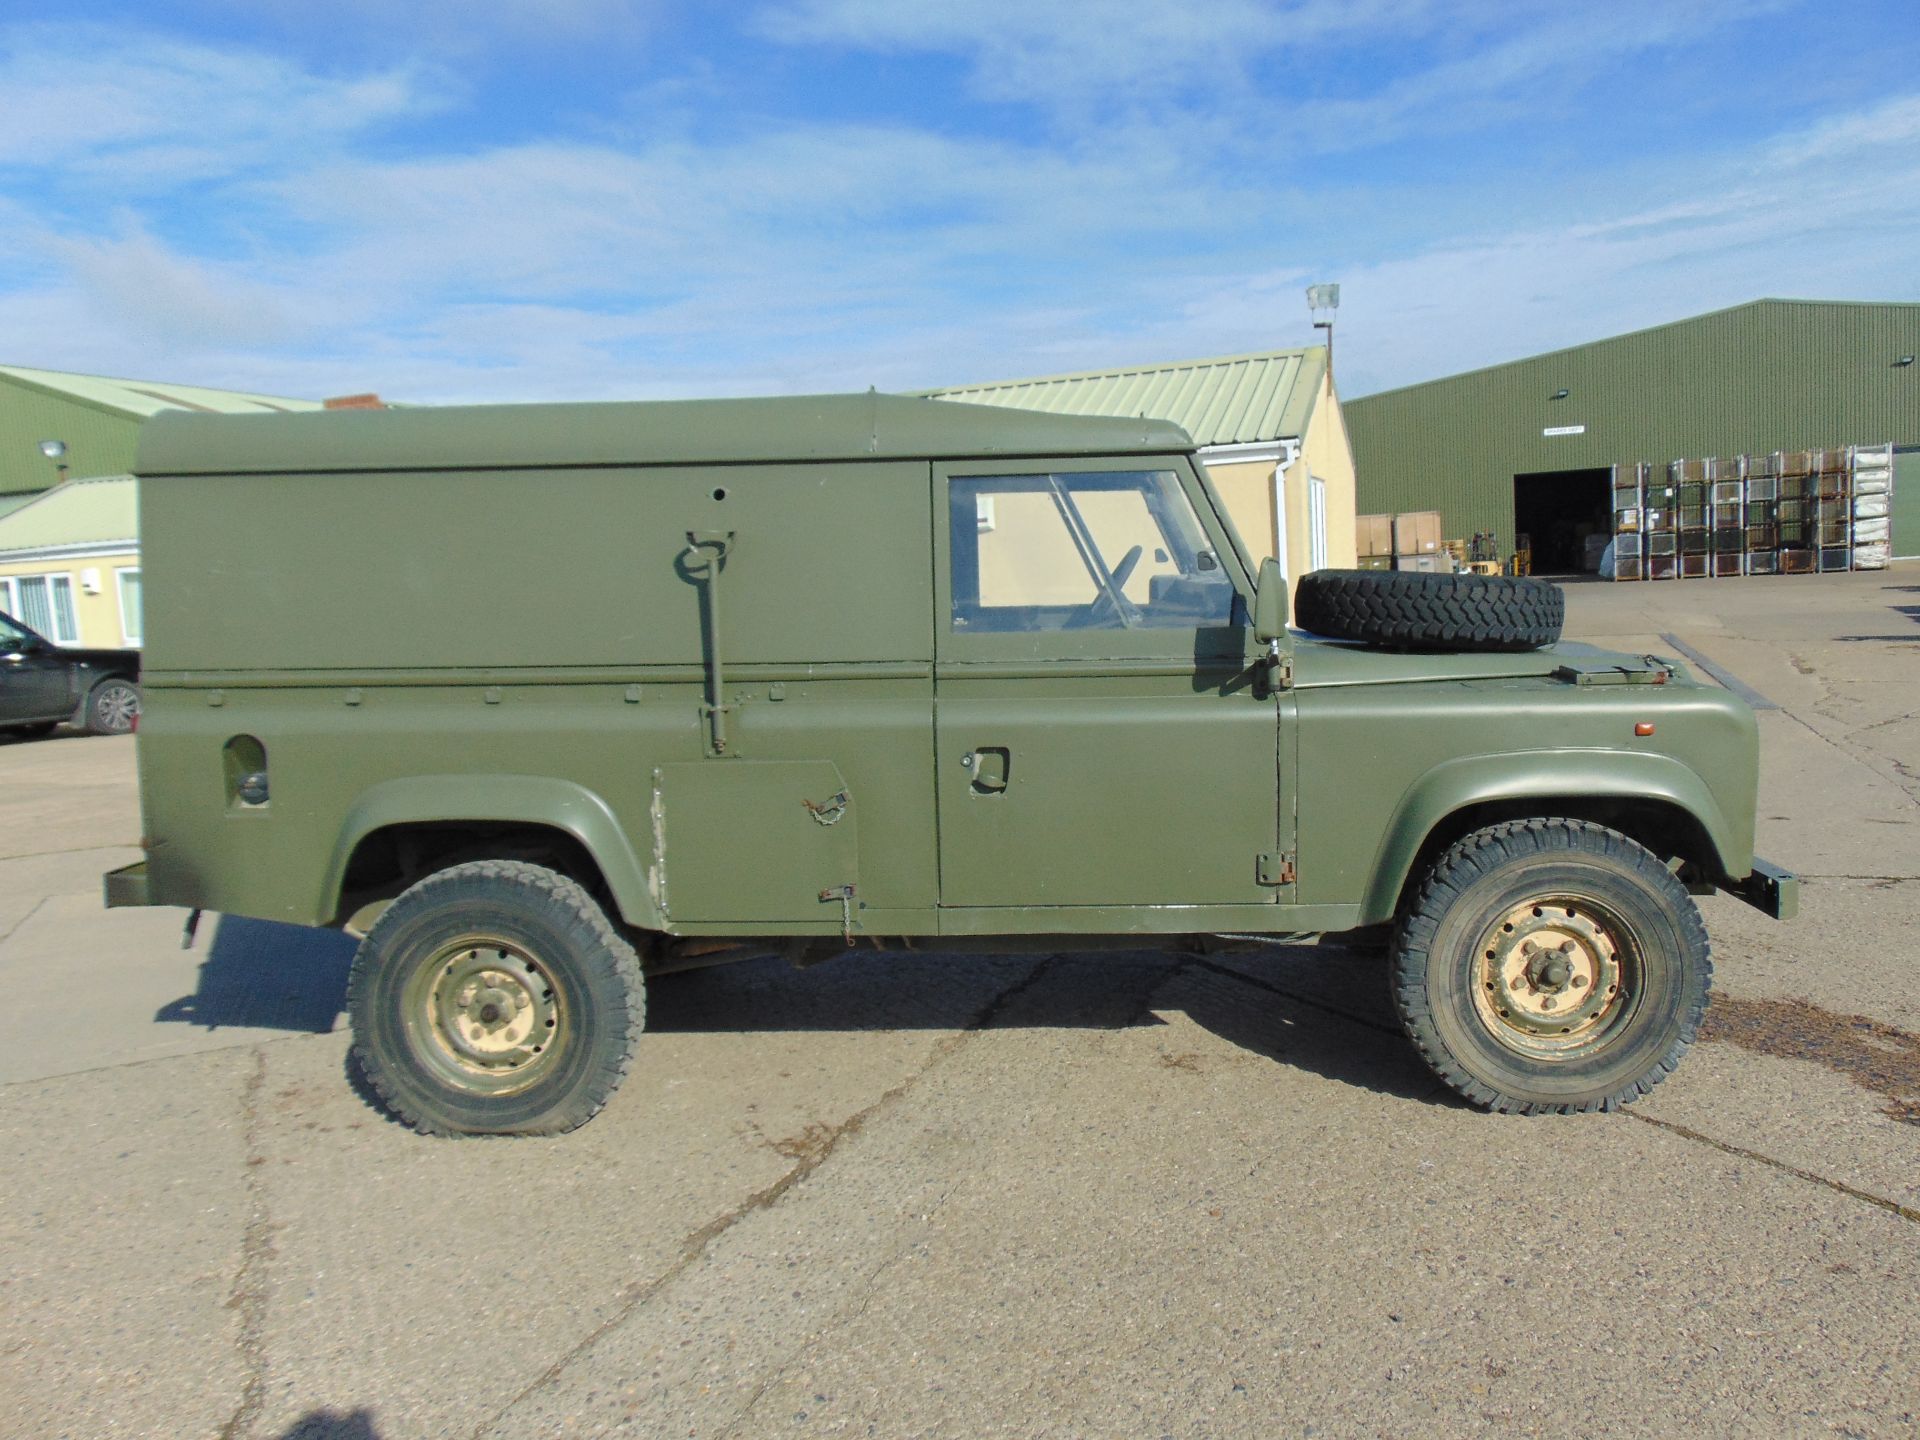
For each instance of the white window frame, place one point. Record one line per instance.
(53, 613)
(1316, 522)
(135, 636)
(6, 595)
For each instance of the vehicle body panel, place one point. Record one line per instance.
(1049, 781)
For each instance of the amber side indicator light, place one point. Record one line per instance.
(1643, 728)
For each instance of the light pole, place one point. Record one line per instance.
(56, 451)
(1324, 300)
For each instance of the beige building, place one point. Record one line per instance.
(70, 563)
(1269, 428)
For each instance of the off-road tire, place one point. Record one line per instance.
(1412, 610)
(113, 707)
(595, 994)
(1438, 963)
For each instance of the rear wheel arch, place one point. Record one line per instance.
(400, 831)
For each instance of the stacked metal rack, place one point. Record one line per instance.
(1872, 497)
(1629, 497)
(1795, 512)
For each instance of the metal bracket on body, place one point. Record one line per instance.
(704, 556)
(830, 810)
(845, 895)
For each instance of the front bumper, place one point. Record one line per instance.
(1769, 889)
(127, 886)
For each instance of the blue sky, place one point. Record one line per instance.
(530, 199)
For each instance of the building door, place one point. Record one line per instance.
(1556, 510)
(1101, 738)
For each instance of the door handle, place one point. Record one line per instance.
(992, 767)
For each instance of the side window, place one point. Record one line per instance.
(1083, 551)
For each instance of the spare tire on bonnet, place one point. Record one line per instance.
(1413, 610)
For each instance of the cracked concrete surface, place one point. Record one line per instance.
(1085, 1194)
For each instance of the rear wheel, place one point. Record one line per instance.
(113, 707)
(1551, 966)
(495, 998)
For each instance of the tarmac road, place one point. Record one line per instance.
(1121, 1194)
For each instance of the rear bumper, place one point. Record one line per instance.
(1769, 889)
(127, 886)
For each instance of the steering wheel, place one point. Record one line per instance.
(1110, 602)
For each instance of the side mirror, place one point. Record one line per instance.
(1270, 603)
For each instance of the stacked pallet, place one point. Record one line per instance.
(1796, 512)
(1872, 495)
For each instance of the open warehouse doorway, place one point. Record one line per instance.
(1556, 510)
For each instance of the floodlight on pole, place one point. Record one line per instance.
(1323, 301)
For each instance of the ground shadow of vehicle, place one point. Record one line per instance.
(1321, 1009)
(1324, 1010)
(266, 976)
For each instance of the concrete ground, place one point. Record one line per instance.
(1117, 1195)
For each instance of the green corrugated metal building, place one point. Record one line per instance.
(97, 418)
(1526, 444)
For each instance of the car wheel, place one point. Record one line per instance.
(1551, 966)
(495, 998)
(114, 707)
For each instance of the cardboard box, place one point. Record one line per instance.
(1416, 532)
(1376, 562)
(1373, 534)
(1435, 564)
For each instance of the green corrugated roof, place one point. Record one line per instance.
(150, 397)
(80, 512)
(1228, 400)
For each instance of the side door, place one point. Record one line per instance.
(1103, 735)
(33, 677)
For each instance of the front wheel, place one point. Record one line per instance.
(1551, 966)
(495, 998)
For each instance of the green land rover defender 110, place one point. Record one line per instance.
(547, 701)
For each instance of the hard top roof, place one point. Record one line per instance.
(679, 432)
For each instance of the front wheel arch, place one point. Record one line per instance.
(1656, 800)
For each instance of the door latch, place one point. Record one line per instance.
(845, 894)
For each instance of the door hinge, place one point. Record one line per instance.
(1283, 672)
(1277, 869)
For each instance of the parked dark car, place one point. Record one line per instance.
(42, 683)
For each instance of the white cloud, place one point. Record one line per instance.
(755, 253)
(149, 112)
(1895, 122)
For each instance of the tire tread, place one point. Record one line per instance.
(1480, 853)
(590, 922)
(1412, 610)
